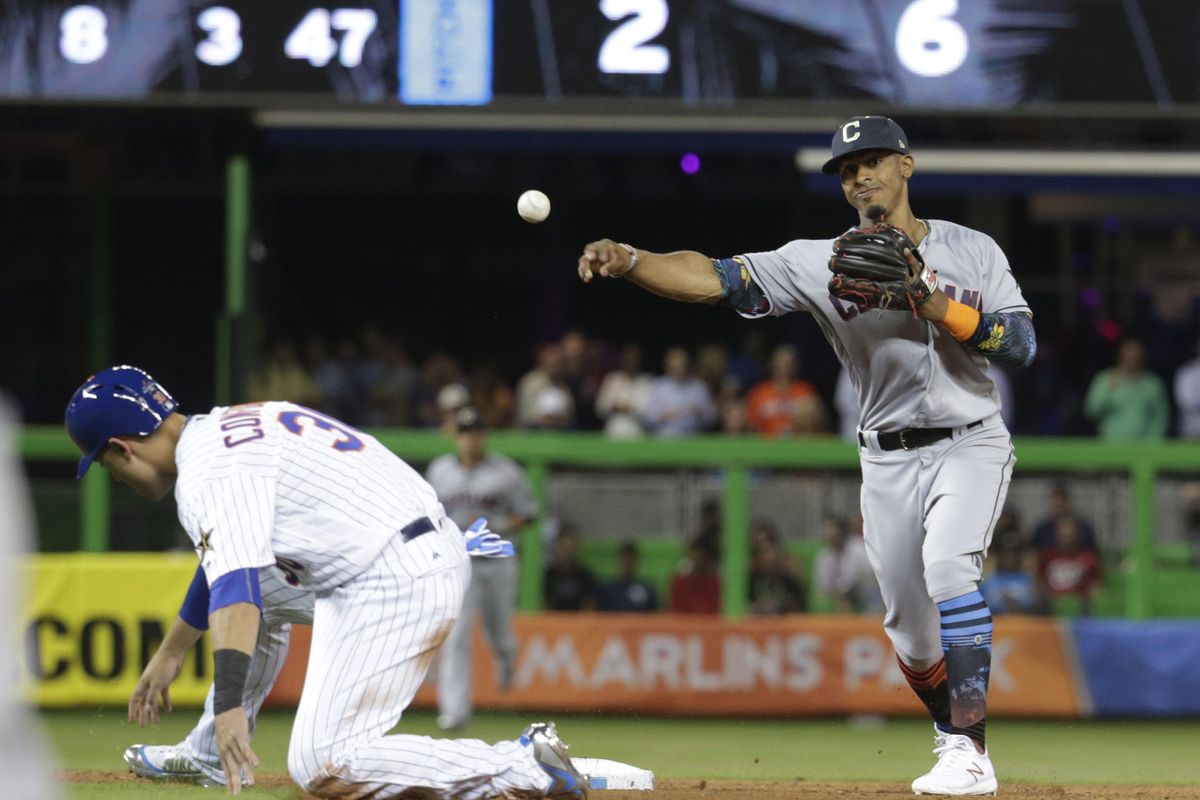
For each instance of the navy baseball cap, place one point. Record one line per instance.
(865, 133)
(113, 402)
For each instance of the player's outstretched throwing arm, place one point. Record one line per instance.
(685, 275)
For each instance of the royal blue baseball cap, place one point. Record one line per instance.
(865, 133)
(118, 401)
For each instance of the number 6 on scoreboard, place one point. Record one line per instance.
(313, 38)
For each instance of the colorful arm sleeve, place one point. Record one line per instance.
(1006, 338)
(738, 289)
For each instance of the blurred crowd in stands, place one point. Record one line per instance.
(583, 383)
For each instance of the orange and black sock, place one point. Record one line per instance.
(930, 685)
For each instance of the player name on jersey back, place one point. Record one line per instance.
(277, 483)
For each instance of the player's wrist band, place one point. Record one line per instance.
(961, 320)
(230, 668)
(633, 257)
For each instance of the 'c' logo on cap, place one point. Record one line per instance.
(846, 137)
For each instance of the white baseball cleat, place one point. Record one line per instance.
(960, 769)
(164, 762)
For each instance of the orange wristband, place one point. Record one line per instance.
(961, 320)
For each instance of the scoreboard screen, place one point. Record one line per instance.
(654, 54)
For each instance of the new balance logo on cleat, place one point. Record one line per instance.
(960, 769)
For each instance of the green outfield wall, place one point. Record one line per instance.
(736, 458)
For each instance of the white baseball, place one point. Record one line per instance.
(533, 206)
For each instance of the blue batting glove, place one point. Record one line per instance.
(482, 543)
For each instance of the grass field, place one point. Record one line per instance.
(1056, 753)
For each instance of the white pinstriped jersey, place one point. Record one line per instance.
(277, 483)
(906, 371)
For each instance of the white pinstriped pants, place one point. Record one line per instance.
(373, 641)
(282, 605)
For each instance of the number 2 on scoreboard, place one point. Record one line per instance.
(625, 49)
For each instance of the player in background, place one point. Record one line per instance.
(25, 757)
(343, 517)
(471, 483)
(936, 458)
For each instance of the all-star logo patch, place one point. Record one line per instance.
(205, 545)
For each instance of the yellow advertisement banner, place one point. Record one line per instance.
(94, 619)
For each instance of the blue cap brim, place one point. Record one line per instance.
(87, 460)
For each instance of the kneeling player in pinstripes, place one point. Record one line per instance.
(276, 483)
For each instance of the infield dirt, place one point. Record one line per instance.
(780, 790)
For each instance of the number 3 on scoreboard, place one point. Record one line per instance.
(625, 49)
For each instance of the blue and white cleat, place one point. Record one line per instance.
(551, 754)
(163, 762)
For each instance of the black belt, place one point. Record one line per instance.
(912, 438)
(416, 528)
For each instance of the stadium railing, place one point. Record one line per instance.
(736, 460)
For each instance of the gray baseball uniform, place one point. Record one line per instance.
(498, 489)
(928, 513)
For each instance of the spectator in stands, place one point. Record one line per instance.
(392, 393)
(1067, 570)
(1187, 398)
(810, 417)
(1128, 401)
(1044, 535)
(627, 593)
(493, 396)
(696, 587)
(548, 372)
(283, 376)
(710, 525)
(774, 406)
(679, 403)
(450, 398)
(1010, 587)
(1190, 495)
(623, 395)
(842, 573)
(775, 585)
(581, 378)
(337, 378)
(439, 370)
(748, 365)
(733, 415)
(553, 409)
(569, 585)
(712, 366)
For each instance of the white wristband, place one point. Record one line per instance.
(633, 257)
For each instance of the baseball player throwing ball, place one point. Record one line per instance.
(914, 309)
(340, 516)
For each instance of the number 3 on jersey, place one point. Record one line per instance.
(349, 441)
